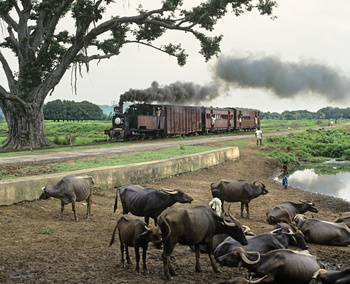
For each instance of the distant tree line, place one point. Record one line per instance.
(323, 113)
(72, 111)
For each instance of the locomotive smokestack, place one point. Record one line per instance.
(175, 93)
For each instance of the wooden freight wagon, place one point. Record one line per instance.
(182, 120)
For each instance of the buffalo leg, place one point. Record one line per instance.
(88, 210)
(247, 209)
(198, 266)
(137, 254)
(147, 220)
(74, 211)
(144, 251)
(211, 257)
(122, 262)
(127, 254)
(168, 269)
(62, 208)
(242, 208)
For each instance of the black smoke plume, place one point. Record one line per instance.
(175, 93)
(284, 79)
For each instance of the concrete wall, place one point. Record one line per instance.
(26, 189)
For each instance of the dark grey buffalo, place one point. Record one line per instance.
(323, 276)
(279, 266)
(134, 233)
(241, 280)
(280, 237)
(323, 232)
(71, 189)
(192, 227)
(148, 202)
(286, 211)
(237, 191)
(343, 218)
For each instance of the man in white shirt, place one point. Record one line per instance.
(258, 135)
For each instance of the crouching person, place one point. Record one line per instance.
(135, 233)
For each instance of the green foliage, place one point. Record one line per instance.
(346, 155)
(72, 111)
(311, 146)
(46, 231)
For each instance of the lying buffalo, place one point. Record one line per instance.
(286, 211)
(237, 191)
(241, 280)
(148, 202)
(71, 189)
(192, 227)
(323, 232)
(343, 218)
(279, 266)
(323, 276)
(280, 237)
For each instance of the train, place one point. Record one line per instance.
(148, 121)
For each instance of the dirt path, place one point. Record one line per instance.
(80, 253)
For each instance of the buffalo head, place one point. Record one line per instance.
(264, 190)
(178, 195)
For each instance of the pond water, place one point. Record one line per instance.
(331, 178)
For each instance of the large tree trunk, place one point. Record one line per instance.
(25, 125)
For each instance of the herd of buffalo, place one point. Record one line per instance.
(206, 229)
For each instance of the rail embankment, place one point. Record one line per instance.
(28, 189)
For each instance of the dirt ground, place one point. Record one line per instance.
(79, 252)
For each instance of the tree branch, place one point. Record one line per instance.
(4, 95)
(51, 26)
(86, 59)
(10, 21)
(9, 75)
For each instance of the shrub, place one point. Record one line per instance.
(346, 154)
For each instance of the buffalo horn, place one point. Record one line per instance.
(168, 191)
(276, 230)
(247, 260)
(145, 232)
(246, 229)
(43, 188)
(257, 280)
(260, 182)
(229, 224)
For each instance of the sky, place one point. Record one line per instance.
(298, 61)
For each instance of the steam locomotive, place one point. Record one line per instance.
(147, 121)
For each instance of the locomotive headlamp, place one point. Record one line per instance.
(117, 120)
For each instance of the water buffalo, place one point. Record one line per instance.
(148, 202)
(323, 276)
(279, 266)
(194, 226)
(323, 232)
(237, 191)
(280, 237)
(134, 233)
(240, 280)
(343, 218)
(71, 189)
(286, 211)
